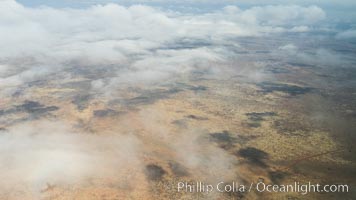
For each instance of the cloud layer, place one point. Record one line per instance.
(96, 51)
(140, 43)
(42, 152)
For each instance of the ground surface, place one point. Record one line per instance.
(281, 122)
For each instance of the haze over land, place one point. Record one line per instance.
(122, 100)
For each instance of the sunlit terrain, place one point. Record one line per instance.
(118, 101)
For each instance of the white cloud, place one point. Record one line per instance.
(349, 34)
(3, 69)
(42, 152)
(318, 57)
(300, 29)
(133, 38)
(288, 47)
(284, 15)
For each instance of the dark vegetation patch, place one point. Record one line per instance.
(81, 101)
(293, 90)
(178, 169)
(196, 117)
(253, 124)
(195, 88)
(106, 113)
(198, 88)
(151, 96)
(300, 64)
(254, 156)
(255, 118)
(259, 116)
(35, 108)
(154, 172)
(182, 123)
(276, 176)
(224, 139)
(142, 100)
(31, 107)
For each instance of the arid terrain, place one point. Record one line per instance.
(277, 109)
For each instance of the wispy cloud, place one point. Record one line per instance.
(37, 42)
